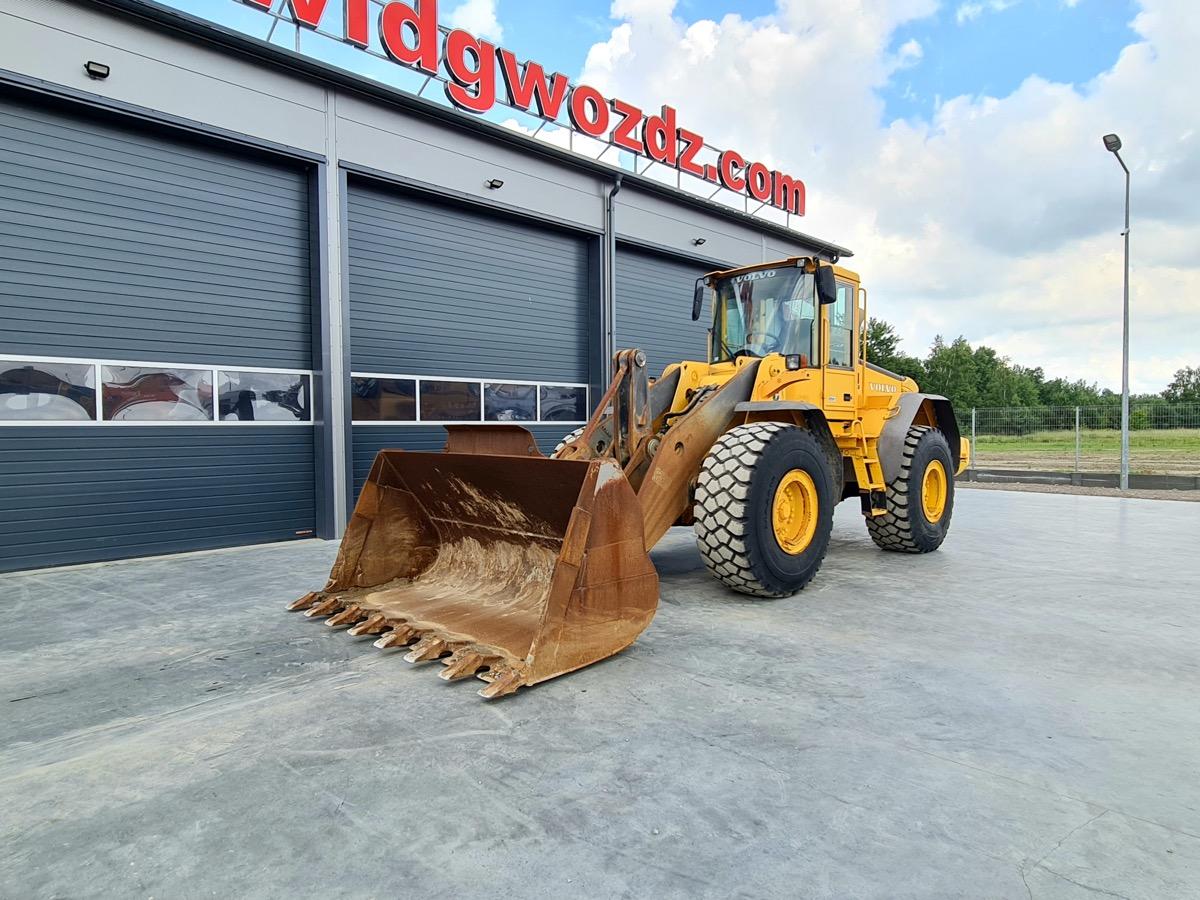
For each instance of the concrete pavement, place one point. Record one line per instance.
(1016, 715)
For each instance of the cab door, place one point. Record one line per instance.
(839, 340)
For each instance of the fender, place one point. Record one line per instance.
(814, 419)
(891, 441)
(813, 415)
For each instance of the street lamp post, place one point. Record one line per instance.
(1112, 143)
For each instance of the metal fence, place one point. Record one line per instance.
(1164, 440)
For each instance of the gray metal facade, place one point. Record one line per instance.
(442, 289)
(85, 494)
(437, 288)
(131, 245)
(209, 219)
(654, 306)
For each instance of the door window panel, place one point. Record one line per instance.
(450, 401)
(510, 402)
(145, 394)
(263, 397)
(47, 392)
(841, 327)
(383, 399)
(564, 403)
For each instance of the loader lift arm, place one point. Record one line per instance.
(659, 452)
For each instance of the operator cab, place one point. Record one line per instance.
(777, 309)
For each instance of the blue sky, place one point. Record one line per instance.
(994, 51)
(972, 47)
(561, 38)
(991, 53)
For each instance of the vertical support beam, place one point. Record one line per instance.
(597, 364)
(608, 315)
(336, 340)
(346, 358)
(973, 450)
(325, 475)
(1079, 441)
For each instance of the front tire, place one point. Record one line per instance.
(920, 500)
(568, 439)
(764, 508)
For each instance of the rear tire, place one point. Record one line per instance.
(764, 508)
(918, 516)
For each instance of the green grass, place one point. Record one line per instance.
(1180, 439)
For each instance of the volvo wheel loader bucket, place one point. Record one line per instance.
(514, 568)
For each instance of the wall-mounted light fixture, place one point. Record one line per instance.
(495, 184)
(95, 70)
(700, 242)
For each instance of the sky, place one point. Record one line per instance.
(954, 145)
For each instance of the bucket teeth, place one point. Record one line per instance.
(304, 602)
(429, 647)
(326, 607)
(464, 664)
(503, 683)
(376, 623)
(399, 636)
(347, 616)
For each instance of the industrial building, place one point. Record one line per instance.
(230, 273)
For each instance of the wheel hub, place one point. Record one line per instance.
(794, 512)
(934, 491)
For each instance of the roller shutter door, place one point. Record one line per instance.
(654, 307)
(153, 268)
(439, 291)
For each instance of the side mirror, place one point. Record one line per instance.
(698, 298)
(826, 285)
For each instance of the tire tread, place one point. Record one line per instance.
(893, 530)
(568, 439)
(722, 519)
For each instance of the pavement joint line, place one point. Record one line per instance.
(1086, 887)
(1170, 828)
(1068, 835)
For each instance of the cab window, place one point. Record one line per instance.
(841, 327)
(766, 311)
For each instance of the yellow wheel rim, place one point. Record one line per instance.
(934, 491)
(794, 512)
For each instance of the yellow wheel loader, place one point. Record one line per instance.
(517, 568)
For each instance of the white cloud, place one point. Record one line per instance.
(969, 12)
(999, 218)
(478, 17)
(910, 53)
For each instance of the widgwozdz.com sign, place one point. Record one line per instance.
(409, 34)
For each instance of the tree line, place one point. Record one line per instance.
(979, 377)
